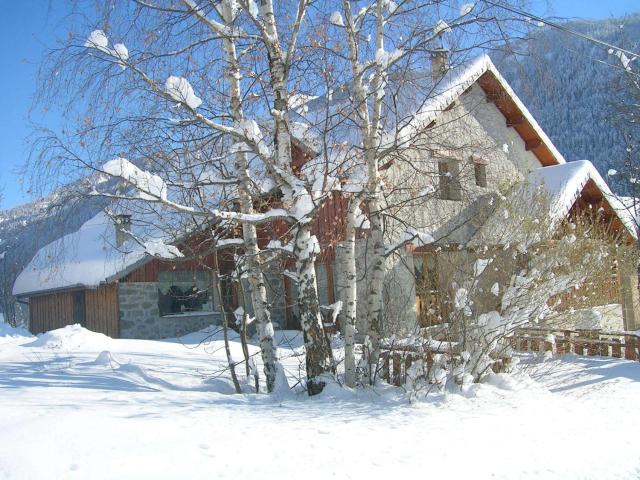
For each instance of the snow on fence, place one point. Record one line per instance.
(397, 360)
(581, 342)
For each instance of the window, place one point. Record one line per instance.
(449, 173)
(183, 292)
(480, 170)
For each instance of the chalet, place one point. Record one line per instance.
(482, 143)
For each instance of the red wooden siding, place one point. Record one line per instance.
(51, 311)
(103, 310)
(55, 310)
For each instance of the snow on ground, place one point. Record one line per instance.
(74, 404)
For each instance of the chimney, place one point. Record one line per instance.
(123, 228)
(439, 63)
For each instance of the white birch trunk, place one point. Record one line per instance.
(349, 289)
(319, 357)
(257, 288)
(369, 123)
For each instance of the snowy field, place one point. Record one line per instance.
(150, 409)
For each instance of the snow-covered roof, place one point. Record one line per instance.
(564, 184)
(456, 82)
(415, 101)
(546, 197)
(89, 256)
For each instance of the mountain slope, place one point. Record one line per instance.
(565, 83)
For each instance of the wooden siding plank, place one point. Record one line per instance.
(55, 310)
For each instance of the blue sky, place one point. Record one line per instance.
(27, 27)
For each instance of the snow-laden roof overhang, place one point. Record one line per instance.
(84, 258)
(547, 197)
(90, 256)
(566, 183)
(482, 70)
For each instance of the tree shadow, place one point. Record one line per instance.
(572, 372)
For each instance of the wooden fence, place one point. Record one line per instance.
(581, 342)
(395, 362)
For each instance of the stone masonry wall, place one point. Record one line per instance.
(140, 317)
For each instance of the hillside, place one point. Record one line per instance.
(563, 81)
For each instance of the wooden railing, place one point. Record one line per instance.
(396, 363)
(581, 342)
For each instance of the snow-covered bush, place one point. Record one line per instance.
(531, 273)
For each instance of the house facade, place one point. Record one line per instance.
(476, 142)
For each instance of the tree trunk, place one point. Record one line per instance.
(369, 123)
(319, 357)
(225, 331)
(375, 281)
(243, 330)
(349, 290)
(256, 280)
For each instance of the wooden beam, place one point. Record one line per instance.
(493, 97)
(531, 144)
(512, 122)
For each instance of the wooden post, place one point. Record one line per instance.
(630, 347)
(397, 365)
(385, 367)
(534, 345)
(604, 347)
(593, 348)
(524, 344)
(408, 361)
(616, 348)
(429, 359)
(569, 346)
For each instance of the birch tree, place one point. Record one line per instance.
(384, 46)
(228, 11)
(204, 110)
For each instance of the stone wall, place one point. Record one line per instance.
(140, 318)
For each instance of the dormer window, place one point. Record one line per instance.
(449, 177)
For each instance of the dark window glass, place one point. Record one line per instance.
(449, 172)
(481, 174)
(180, 300)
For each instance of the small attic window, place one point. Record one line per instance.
(480, 171)
(449, 177)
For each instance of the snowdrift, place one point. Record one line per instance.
(71, 337)
(7, 331)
